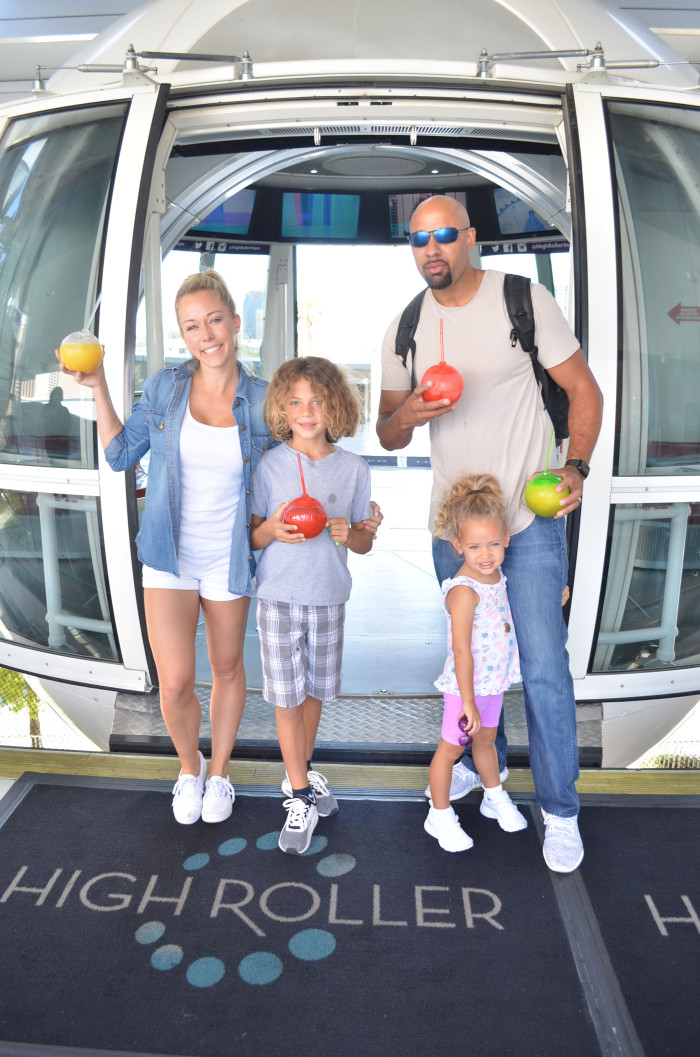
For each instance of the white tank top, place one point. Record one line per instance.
(211, 478)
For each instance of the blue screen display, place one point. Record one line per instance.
(232, 217)
(319, 216)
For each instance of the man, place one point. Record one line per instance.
(499, 426)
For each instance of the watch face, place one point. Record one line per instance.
(582, 467)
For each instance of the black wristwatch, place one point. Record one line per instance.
(578, 464)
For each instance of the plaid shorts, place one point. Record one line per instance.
(302, 650)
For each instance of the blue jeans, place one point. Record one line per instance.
(536, 567)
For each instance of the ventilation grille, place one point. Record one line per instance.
(279, 132)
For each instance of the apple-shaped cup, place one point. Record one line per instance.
(447, 383)
(540, 495)
(307, 514)
(81, 351)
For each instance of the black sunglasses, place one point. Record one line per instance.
(422, 238)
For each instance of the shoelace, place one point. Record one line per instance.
(318, 783)
(219, 787)
(297, 810)
(565, 825)
(188, 785)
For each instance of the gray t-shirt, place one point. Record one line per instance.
(313, 573)
(499, 424)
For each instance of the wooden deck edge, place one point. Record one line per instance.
(15, 762)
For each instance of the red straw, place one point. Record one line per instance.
(442, 345)
(301, 474)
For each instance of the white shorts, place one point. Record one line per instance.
(209, 581)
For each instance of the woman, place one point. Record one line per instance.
(203, 426)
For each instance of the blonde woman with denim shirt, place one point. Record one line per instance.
(202, 423)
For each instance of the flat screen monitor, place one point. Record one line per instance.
(401, 208)
(319, 216)
(515, 217)
(232, 217)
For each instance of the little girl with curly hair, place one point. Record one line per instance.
(482, 656)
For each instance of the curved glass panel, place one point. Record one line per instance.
(657, 159)
(53, 589)
(652, 589)
(55, 176)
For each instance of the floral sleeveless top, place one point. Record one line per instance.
(494, 645)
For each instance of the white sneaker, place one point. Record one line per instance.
(298, 830)
(445, 827)
(326, 803)
(563, 847)
(187, 794)
(217, 802)
(504, 810)
(465, 781)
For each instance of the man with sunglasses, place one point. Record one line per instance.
(499, 426)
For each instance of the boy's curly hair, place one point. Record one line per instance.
(341, 400)
(474, 497)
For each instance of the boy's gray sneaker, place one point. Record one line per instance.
(326, 803)
(298, 830)
(465, 781)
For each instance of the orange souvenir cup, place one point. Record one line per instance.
(81, 351)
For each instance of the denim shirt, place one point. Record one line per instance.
(155, 423)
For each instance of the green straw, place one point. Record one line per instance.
(549, 452)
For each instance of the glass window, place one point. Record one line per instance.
(657, 159)
(550, 269)
(55, 176)
(652, 589)
(53, 590)
(245, 275)
(335, 319)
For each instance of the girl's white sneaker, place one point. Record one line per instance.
(504, 810)
(444, 826)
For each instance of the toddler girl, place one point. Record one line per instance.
(482, 656)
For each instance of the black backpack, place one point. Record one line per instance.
(516, 290)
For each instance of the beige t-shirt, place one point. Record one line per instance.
(499, 424)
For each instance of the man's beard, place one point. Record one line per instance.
(439, 282)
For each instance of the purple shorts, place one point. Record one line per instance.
(489, 710)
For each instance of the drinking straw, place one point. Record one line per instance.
(442, 345)
(549, 449)
(94, 310)
(301, 474)
(303, 488)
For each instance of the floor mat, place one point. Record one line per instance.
(642, 874)
(124, 931)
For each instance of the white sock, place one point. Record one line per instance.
(442, 811)
(494, 793)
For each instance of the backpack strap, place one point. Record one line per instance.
(406, 330)
(518, 297)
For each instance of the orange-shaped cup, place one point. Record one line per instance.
(81, 351)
